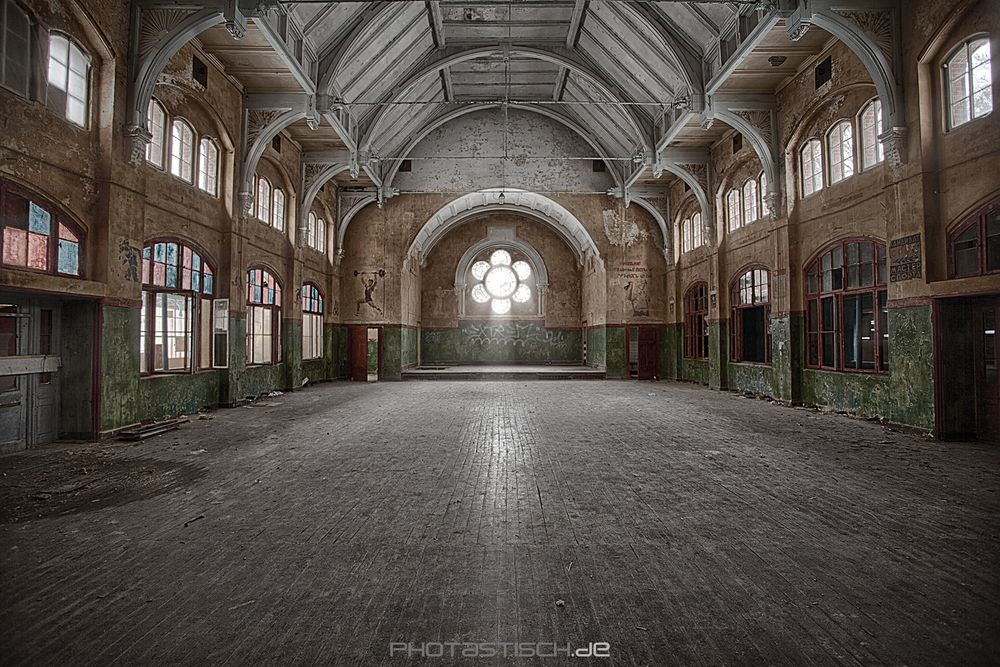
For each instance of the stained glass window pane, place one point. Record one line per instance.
(500, 258)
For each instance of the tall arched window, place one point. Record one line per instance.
(846, 308)
(696, 321)
(263, 342)
(750, 210)
(733, 212)
(974, 248)
(208, 166)
(687, 242)
(320, 235)
(35, 235)
(697, 232)
(278, 215)
(750, 332)
(840, 146)
(182, 150)
(156, 118)
(811, 166)
(69, 79)
(15, 48)
(762, 187)
(264, 200)
(311, 229)
(312, 322)
(871, 127)
(177, 289)
(969, 82)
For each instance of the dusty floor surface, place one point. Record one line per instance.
(679, 525)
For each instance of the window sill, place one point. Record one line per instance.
(173, 374)
(849, 371)
(761, 364)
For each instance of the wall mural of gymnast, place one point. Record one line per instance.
(369, 282)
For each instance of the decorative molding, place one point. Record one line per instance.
(760, 120)
(893, 143)
(257, 120)
(139, 138)
(877, 24)
(699, 172)
(246, 203)
(155, 24)
(772, 199)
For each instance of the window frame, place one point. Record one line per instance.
(737, 308)
(263, 181)
(206, 140)
(762, 184)
(73, 47)
(875, 106)
(162, 136)
(945, 76)
(183, 123)
(57, 217)
(686, 238)
(878, 291)
(278, 217)
(754, 200)
(813, 144)
(196, 300)
(979, 220)
(274, 311)
(695, 318)
(30, 39)
(313, 312)
(837, 153)
(734, 209)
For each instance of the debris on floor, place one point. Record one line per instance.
(150, 430)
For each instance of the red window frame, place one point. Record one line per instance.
(696, 321)
(977, 219)
(58, 219)
(738, 307)
(817, 295)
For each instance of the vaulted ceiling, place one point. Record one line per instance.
(610, 67)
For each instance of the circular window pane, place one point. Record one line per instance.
(501, 306)
(501, 282)
(500, 258)
(479, 270)
(522, 269)
(522, 294)
(479, 294)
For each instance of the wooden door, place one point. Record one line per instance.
(359, 353)
(987, 357)
(649, 353)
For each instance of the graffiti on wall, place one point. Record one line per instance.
(513, 334)
(634, 278)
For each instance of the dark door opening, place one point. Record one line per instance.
(967, 385)
(359, 353)
(643, 347)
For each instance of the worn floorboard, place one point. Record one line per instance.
(680, 526)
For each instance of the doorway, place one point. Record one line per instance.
(967, 386)
(643, 347)
(30, 373)
(366, 353)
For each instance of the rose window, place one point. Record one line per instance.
(501, 282)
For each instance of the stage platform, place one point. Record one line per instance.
(500, 372)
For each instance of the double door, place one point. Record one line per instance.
(29, 373)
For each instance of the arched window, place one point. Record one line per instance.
(320, 235)
(311, 229)
(312, 322)
(975, 246)
(264, 200)
(871, 127)
(840, 146)
(15, 48)
(811, 166)
(177, 289)
(502, 283)
(697, 232)
(156, 119)
(36, 235)
(263, 343)
(846, 311)
(208, 166)
(750, 332)
(182, 150)
(733, 213)
(969, 82)
(762, 188)
(69, 79)
(278, 215)
(696, 322)
(751, 211)
(686, 240)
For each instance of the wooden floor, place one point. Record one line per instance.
(678, 525)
